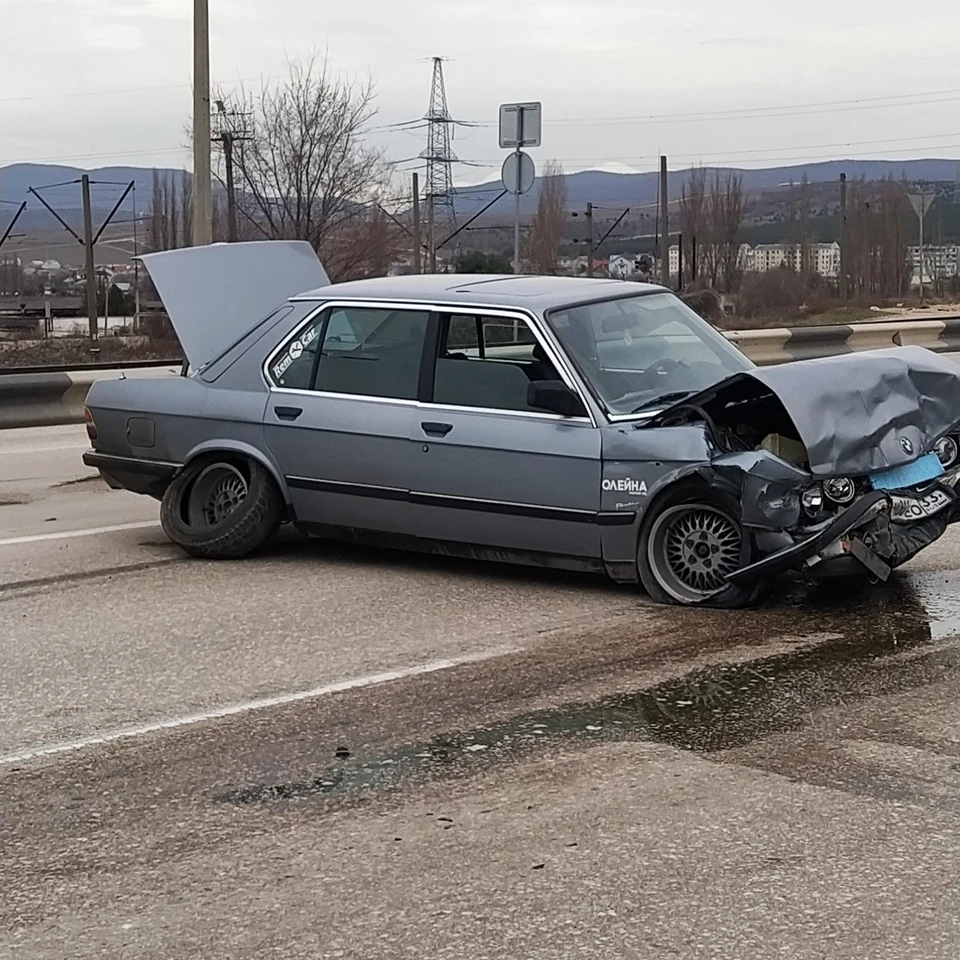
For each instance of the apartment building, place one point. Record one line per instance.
(939, 262)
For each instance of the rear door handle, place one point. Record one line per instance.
(436, 429)
(288, 413)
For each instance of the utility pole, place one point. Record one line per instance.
(89, 238)
(441, 209)
(202, 174)
(920, 206)
(431, 237)
(843, 237)
(589, 216)
(922, 212)
(664, 228)
(228, 137)
(417, 268)
(136, 268)
(88, 249)
(231, 196)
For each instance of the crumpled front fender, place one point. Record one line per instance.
(768, 487)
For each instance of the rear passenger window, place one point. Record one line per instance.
(293, 368)
(489, 362)
(373, 353)
(362, 351)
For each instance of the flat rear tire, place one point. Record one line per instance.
(221, 508)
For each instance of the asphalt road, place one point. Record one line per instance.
(328, 752)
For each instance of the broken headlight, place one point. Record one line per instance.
(947, 449)
(839, 489)
(812, 498)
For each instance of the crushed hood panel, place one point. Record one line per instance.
(215, 294)
(863, 412)
(858, 413)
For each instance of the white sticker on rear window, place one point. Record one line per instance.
(309, 336)
(295, 349)
(279, 369)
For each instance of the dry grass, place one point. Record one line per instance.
(76, 351)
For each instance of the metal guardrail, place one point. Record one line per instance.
(100, 365)
(45, 395)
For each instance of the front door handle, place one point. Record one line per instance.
(436, 429)
(288, 413)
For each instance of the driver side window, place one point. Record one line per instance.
(489, 362)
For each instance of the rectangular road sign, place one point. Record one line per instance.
(511, 117)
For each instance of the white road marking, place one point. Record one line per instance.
(69, 534)
(29, 451)
(247, 706)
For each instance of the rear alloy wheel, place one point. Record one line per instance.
(688, 547)
(220, 509)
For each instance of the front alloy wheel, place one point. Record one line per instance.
(690, 541)
(691, 550)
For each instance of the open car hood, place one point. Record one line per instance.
(215, 294)
(856, 414)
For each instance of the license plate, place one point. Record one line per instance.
(913, 474)
(905, 509)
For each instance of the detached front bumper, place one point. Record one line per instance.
(879, 532)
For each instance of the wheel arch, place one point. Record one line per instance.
(238, 447)
(690, 476)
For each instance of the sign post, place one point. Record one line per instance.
(519, 128)
(921, 204)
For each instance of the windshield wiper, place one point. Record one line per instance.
(665, 399)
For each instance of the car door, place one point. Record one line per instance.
(343, 401)
(491, 470)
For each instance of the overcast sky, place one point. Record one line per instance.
(745, 82)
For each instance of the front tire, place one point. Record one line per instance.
(688, 544)
(221, 509)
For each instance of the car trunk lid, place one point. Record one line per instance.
(217, 293)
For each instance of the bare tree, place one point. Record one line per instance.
(164, 213)
(693, 221)
(186, 209)
(546, 233)
(305, 169)
(155, 240)
(877, 240)
(726, 209)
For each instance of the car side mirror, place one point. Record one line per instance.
(555, 396)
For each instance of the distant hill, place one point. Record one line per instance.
(602, 188)
(635, 189)
(107, 185)
(17, 178)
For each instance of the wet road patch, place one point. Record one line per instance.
(708, 711)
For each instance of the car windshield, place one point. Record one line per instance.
(645, 351)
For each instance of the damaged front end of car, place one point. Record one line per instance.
(844, 465)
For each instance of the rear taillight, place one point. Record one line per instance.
(90, 425)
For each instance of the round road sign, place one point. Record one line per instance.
(518, 172)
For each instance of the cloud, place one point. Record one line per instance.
(112, 36)
(594, 66)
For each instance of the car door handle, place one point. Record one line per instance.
(436, 429)
(288, 413)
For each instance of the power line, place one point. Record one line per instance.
(743, 113)
(100, 156)
(743, 153)
(112, 93)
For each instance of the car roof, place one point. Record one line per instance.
(537, 293)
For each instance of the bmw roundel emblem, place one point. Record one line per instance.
(907, 445)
